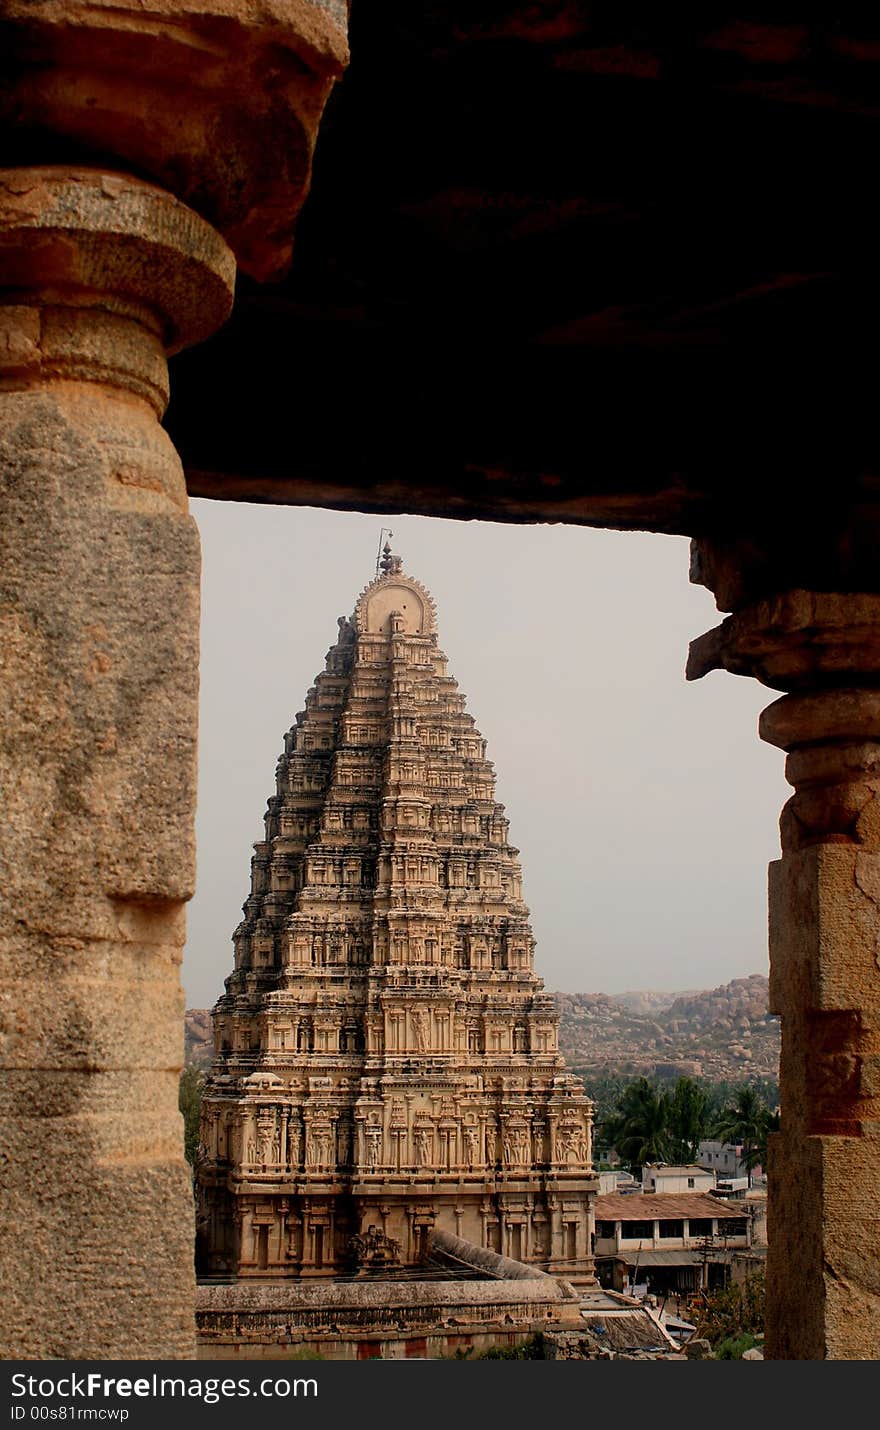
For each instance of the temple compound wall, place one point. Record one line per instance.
(386, 1061)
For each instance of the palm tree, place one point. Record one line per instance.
(688, 1119)
(639, 1129)
(748, 1121)
(769, 1125)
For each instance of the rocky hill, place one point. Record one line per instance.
(198, 1037)
(722, 1033)
(647, 1002)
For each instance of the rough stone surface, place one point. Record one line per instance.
(823, 1284)
(218, 101)
(386, 1060)
(440, 276)
(377, 1319)
(454, 1251)
(584, 1345)
(823, 1223)
(796, 640)
(698, 1349)
(334, 1295)
(98, 684)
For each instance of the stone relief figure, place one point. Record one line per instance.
(538, 1143)
(319, 1145)
(420, 1028)
(572, 1144)
(471, 1145)
(374, 1146)
(265, 1141)
(374, 1248)
(516, 1146)
(421, 1145)
(294, 1142)
(251, 1151)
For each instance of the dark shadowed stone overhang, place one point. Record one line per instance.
(566, 261)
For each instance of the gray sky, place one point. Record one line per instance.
(645, 809)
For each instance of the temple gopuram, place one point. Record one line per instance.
(386, 1060)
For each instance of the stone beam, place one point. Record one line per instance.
(823, 648)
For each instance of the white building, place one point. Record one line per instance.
(657, 1177)
(725, 1159)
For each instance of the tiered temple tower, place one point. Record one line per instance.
(385, 1057)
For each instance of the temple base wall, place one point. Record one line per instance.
(309, 1235)
(377, 1319)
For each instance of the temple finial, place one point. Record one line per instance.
(389, 563)
(383, 531)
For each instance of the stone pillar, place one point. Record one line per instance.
(824, 1175)
(99, 606)
(281, 1241)
(283, 1154)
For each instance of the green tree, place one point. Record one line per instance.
(687, 1119)
(656, 1120)
(192, 1085)
(749, 1121)
(605, 1091)
(640, 1127)
(736, 1311)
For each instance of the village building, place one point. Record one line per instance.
(727, 1161)
(658, 1177)
(616, 1180)
(386, 1060)
(674, 1242)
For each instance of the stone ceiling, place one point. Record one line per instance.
(567, 261)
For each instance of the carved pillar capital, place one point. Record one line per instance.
(215, 100)
(103, 276)
(796, 640)
(824, 648)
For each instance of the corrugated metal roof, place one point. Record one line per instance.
(657, 1258)
(664, 1205)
